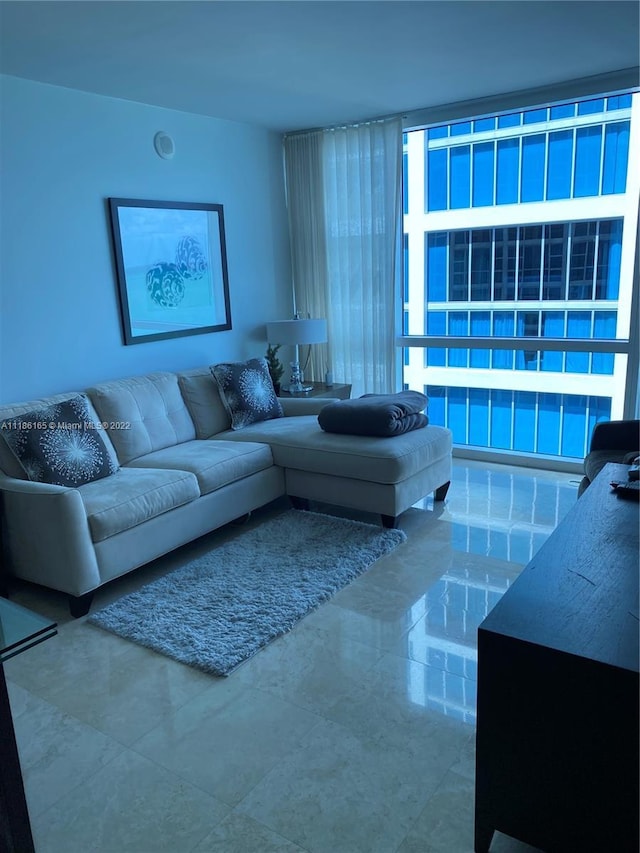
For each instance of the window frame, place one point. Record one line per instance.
(606, 86)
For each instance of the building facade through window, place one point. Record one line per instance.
(522, 225)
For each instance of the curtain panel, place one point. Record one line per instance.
(344, 197)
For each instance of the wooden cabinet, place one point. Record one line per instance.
(557, 729)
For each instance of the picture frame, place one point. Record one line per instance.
(171, 268)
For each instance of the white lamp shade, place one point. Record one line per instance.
(297, 332)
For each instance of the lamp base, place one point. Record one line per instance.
(295, 383)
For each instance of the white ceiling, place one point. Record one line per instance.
(300, 63)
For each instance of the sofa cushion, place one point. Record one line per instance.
(59, 444)
(215, 464)
(202, 396)
(300, 443)
(143, 414)
(134, 495)
(247, 391)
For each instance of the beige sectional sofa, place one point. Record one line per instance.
(177, 471)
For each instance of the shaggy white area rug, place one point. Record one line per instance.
(220, 609)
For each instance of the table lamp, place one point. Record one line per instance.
(297, 332)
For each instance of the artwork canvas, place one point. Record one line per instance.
(171, 266)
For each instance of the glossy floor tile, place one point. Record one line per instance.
(355, 732)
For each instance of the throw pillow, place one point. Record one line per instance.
(247, 392)
(59, 444)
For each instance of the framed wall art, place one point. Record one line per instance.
(171, 267)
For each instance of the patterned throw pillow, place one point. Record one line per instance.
(247, 392)
(59, 444)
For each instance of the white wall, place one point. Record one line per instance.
(63, 153)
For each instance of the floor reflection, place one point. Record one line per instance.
(498, 521)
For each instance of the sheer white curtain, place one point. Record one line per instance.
(344, 195)
(305, 206)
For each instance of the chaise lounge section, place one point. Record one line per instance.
(177, 470)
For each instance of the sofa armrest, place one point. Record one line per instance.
(304, 405)
(616, 435)
(46, 536)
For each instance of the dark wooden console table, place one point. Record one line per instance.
(557, 729)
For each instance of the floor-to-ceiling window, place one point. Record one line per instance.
(523, 225)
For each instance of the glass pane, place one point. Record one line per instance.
(599, 409)
(530, 261)
(483, 169)
(503, 327)
(549, 423)
(436, 325)
(481, 272)
(552, 326)
(559, 168)
(461, 128)
(457, 414)
(563, 111)
(534, 116)
(501, 402)
(609, 254)
(527, 326)
(604, 326)
(437, 404)
(405, 331)
(483, 124)
(458, 326)
(578, 326)
(587, 169)
(616, 156)
(460, 176)
(533, 149)
(555, 231)
(405, 182)
(480, 327)
(524, 427)
(479, 417)
(574, 426)
(553, 271)
(504, 266)
(511, 120)
(586, 108)
(436, 267)
(581, 270)
(459, 267)
(405, 267)
(503, 324)
(437, 179)
(507, 171)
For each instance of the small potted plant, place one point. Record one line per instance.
(276, 368)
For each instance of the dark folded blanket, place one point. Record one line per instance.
(375, 414)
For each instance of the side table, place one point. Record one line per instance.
(319, 389)
(20, 629)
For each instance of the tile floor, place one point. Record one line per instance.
(354, 733)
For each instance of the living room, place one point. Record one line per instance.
(95, 714)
